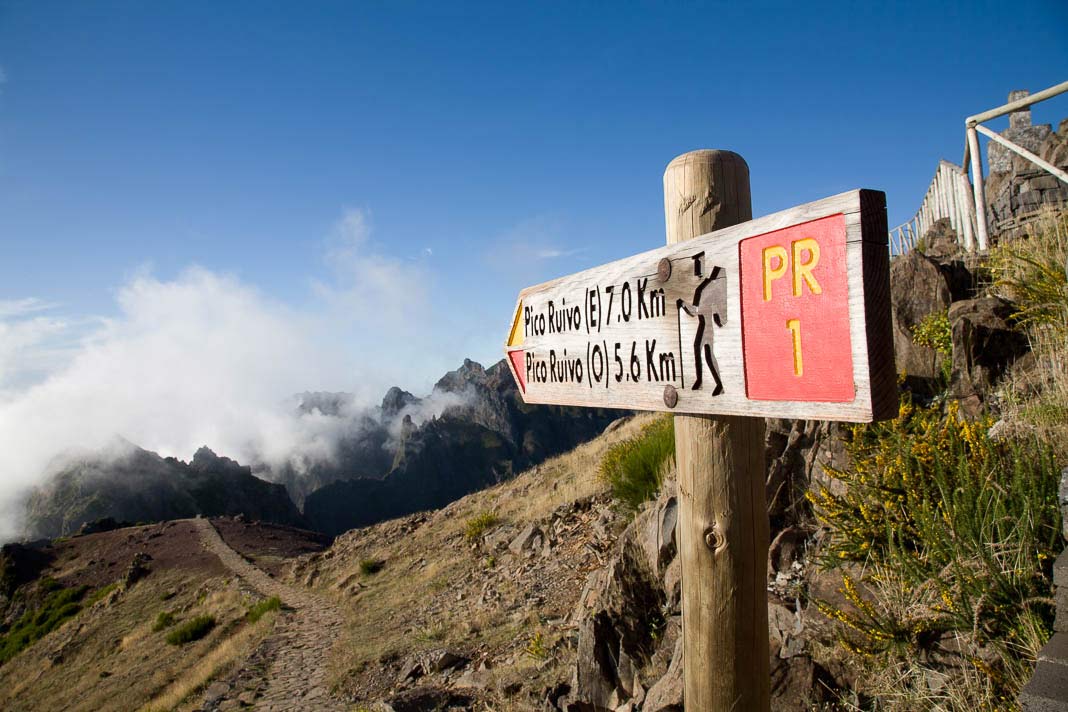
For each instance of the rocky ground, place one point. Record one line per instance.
(566, 602)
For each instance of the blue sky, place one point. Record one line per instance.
(307, 152)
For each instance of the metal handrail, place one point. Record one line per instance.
(950, 195)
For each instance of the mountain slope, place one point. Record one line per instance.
(127, 483)
(485, 436)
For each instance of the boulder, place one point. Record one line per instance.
(666, 694)
(525, 540)
(475, 679)
(786, 548)
(430, 661)
(985, 344)
(499, 538)
(798, 684)
(784, 627)
(657, 529)
(423, 699)
(616, 636)
(595, 685)
(137, 569)
(917, 289)
(941, 241)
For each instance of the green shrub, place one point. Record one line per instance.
(193, 629)
(59, 605)
(956, 533)
(935, 333)
(165, 619)
(634, 468)
(479, 524)
(370, 567)
(260, 609)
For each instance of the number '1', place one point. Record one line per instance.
(794, 325)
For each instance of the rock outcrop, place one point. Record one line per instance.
(629, 646)
(1017, 189)
(917, 290)
(484, 435)
(126, 483)
(985, 344)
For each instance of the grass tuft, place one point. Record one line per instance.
(191, 630)
(370, 567)
(100, 593)
(634, 468)
(1033, 272)
(479, 524)
(260, 609)
(935, 333)
(165, 619)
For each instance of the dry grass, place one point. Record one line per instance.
(389, 616)
(111, 658)
(1033, 272)
(219, 659)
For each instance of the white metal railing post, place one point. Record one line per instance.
(977, 189)
(1021, 151)
(968, 208)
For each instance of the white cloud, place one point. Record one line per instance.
(206, 359)
(528, 245)
(202, 359)
(382, 306)
(12, 308)
(368, 287)
(551, 253)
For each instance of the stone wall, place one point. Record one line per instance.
(1017, 189)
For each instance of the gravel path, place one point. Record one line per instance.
(288, 670)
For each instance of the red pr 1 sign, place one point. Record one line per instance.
(797, 278)
(784, 316)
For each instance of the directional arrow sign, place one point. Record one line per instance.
(785, 316)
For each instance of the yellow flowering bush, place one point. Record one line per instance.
(955, 534)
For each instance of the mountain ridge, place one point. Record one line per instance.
(406, 454)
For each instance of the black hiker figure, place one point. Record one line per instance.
(709, 305)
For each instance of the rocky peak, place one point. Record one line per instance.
(396, 400)
(205, 460)
(470, 373)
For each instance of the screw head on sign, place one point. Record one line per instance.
(671, 396)
(663, 269)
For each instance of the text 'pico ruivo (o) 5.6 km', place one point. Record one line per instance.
(784, 316)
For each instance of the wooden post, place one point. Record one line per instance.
(723, 521)
(977, 187)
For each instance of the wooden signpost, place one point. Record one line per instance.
(735, 320)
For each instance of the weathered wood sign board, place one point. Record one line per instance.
(784, 316)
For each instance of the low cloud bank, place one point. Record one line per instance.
(206, 359)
